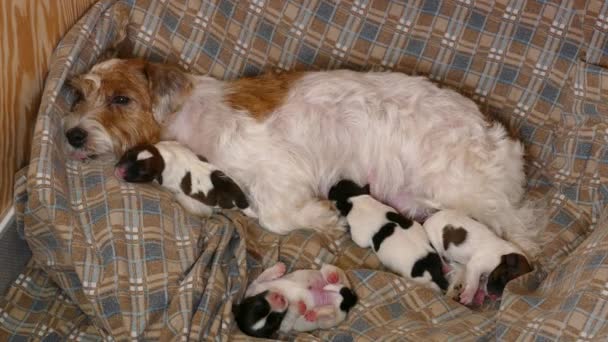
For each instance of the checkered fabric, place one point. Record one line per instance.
(117, 261)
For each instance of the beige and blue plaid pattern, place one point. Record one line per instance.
(116, 261)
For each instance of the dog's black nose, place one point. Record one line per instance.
(76, 136)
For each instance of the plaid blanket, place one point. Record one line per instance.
(118, 261)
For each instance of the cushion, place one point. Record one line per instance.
(121, 261)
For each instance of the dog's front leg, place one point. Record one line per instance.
(292, 206)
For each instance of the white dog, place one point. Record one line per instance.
(287, 138)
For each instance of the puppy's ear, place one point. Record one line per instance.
(236, 309)
(517, 264)
(169, 86)
(511, 260)
(366, 189)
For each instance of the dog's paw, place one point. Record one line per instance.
(342, 224)
(322, 215)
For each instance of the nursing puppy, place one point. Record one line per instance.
(198, 186)
(483, 255)
(303, 300)
(400, 243)
(287, 138)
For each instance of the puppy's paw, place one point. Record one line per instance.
(467, 295)
(333, 278)
(311, 315)
(333, 275)
(280, 269)
(302, 307)
(453, 291)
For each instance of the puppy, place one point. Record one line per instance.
(400, 243)
(287, 138)
(303, 300)
(198, 186)
(488, 261)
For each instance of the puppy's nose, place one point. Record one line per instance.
(120, 172)
(76, 136)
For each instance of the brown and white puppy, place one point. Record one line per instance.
(482, 255)
(288, 138)
(198, 186)
(303, 300)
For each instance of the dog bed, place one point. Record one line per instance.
(117, 261)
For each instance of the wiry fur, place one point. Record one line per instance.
(420, 147)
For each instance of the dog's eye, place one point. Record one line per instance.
(120, 100)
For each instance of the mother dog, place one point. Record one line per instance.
(287, 138)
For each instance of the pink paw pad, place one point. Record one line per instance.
(333, 278)
(281, 268)
(301, 307)
(310, 316)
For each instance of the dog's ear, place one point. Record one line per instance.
(82, 85)
(169, 86)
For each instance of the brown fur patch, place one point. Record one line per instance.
(511, 266)
(186, 183)
(169, 87)
(152, 90)
(260, 95)
(453, 235)
(225, 192)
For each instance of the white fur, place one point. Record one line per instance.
(480, 253)
(178, 161)
(416, 144)
(400, 251)
(144, 155)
